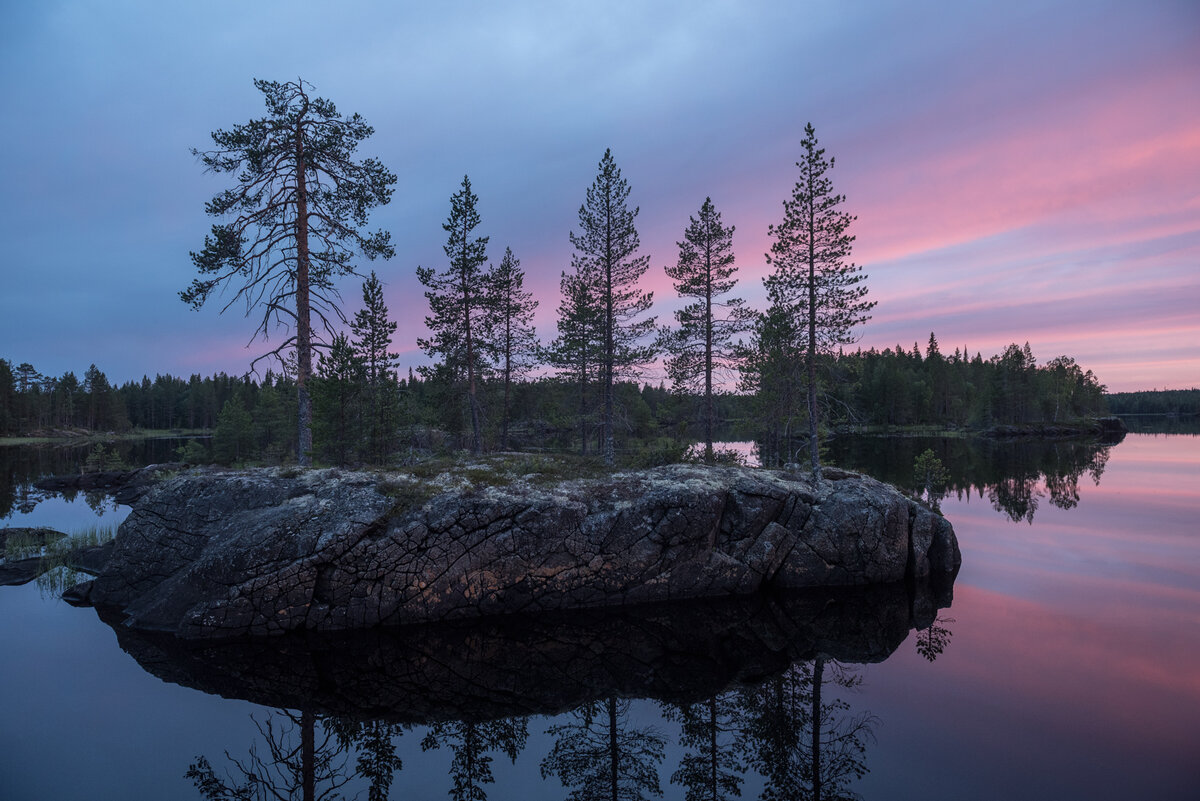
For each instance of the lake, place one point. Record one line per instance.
(1067, 666)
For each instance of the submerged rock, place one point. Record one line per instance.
(210, 554)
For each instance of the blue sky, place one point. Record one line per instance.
(1020, 170)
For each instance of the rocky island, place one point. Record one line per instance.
(221, 554)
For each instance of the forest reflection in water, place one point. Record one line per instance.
(753, 687)
(1015, 475)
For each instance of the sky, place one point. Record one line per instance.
(1020, 171)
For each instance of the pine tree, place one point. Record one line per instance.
(372, 339)
(605, 257)
(771, 368)
(298, 210)
(514, 336)
(812, 271)
(711, 769)
(576, 350)
(702, 345)
(460, 303)
(471, 742)
(602, 757)
(337, 396)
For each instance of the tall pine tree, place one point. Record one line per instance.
(702, 346)
(812, 271)
(606, 258)
(576, 350)
(372, 340)
(460, 303)
(513, 336)
(295, 220)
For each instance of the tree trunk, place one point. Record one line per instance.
(708, 363)
(712, 747)
(303, 327)
(614, 752)
(811, 356)
(818, 679)
(308, 755)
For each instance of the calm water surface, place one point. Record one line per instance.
(1069, 666)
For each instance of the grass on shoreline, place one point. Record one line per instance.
(65, 438)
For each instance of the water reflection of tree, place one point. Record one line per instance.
(301, 764)
(804, 746)
(470, 742)
(600, 755)
(712, 769)
(932, 641)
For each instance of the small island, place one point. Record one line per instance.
(209, 553)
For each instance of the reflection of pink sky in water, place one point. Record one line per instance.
(1076, 643)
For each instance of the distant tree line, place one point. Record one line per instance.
(898, 387)
(1183, 402)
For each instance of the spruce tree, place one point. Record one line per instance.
(812, 272)
(702, 346)
(577, 348)
(513, 336)
(372, 340)
(606, 256)
(338, 395)
(296, 217)
(460, 303)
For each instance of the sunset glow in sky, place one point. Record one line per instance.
(1021, 171)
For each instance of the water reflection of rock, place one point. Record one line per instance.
(502, 667)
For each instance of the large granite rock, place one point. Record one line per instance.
(222, 554)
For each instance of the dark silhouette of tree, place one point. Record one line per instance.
(298, 211)
(309, 770)
(811, 270)
(804, 746)
(372, 342)
(932, 641)
(337, 392)
(233, 439)
(470, 742)
(601, 757)
(930, 477)
(375, 758)
(8, 400)
(605, 258)
(514, 336)
(460, 302)
(712, 769)
(577, 348)
(771, 368)
(702, 345)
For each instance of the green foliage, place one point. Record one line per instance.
(192, 452)
(1176, 402)
(337, 402)
(513, 333)
(701, 349)
(372, 343)
(813, 282)
(461, 305)
(296, 215)
(233, 439)
(607, 273)
(930, 477)
(100, 459)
